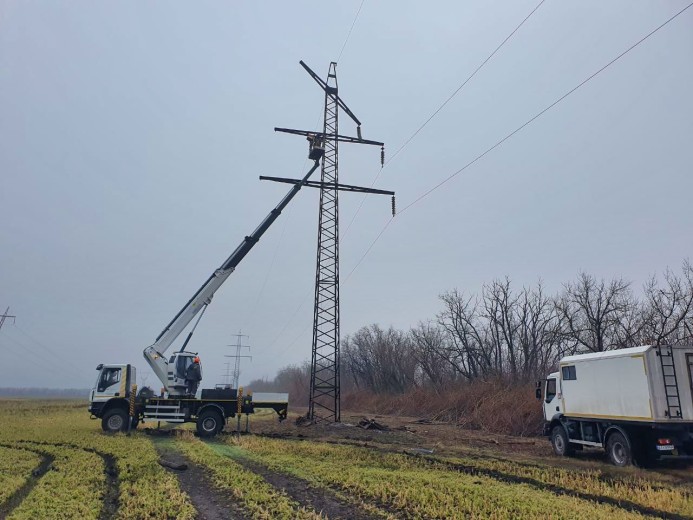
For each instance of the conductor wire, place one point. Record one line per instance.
(511, 134)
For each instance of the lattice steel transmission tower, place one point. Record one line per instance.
(235, 376)
(324, 401)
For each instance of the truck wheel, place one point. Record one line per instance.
(559, 441)
(115, 420)
(618, 450)
(209, 423)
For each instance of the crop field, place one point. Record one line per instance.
(56, 463)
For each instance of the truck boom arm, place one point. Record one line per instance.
(154, 354)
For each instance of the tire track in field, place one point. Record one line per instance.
(607, 475)
(111, 498)
(16, 498)
(195, 480)
(509, 478)
(553, 488)
(319, 499)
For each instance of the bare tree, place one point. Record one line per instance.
(429, 343)
(380, 360)
(668, 312)
(593, 312)
(540, 340)
(470, 348)
(501, 314)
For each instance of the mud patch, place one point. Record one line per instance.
(210, 503)
(14, 500)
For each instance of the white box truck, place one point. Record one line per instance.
(636, 403)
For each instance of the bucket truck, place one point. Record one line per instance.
(110, 398)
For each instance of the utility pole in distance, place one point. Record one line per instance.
(4, 316)
(324, 404)
(237, 364)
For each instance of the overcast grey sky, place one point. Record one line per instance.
(132, 135)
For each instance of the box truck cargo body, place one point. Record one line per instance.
(637, 403)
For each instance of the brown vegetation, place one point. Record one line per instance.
(492, 406)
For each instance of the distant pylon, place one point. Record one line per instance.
(235, 376)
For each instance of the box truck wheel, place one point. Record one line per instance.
(618, 450)
(559, 441)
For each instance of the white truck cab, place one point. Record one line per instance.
(110, 394)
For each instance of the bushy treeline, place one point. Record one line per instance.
(508, 335)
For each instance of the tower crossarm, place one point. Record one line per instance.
(331, 90)
(329, 137)
(329, 185)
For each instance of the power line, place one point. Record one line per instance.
(41, 345)
(437, 110)
(41, 360)
(518, 129)
(350, 30)
(541, 113)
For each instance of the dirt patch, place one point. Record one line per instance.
(321, 500)
(399, 431)
(210, 503)
(18, 496)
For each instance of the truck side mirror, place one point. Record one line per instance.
(538, 393)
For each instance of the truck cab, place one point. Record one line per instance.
(108, 398)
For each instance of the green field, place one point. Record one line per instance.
(56, 463)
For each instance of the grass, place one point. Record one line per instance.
(75, 481)
(16, 466)
(635, 489)
(404, 484)
(382, 482)
(76, 489)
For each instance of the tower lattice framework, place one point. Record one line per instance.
(324, 401)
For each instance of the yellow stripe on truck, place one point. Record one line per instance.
(616, 417)
(123, 377)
